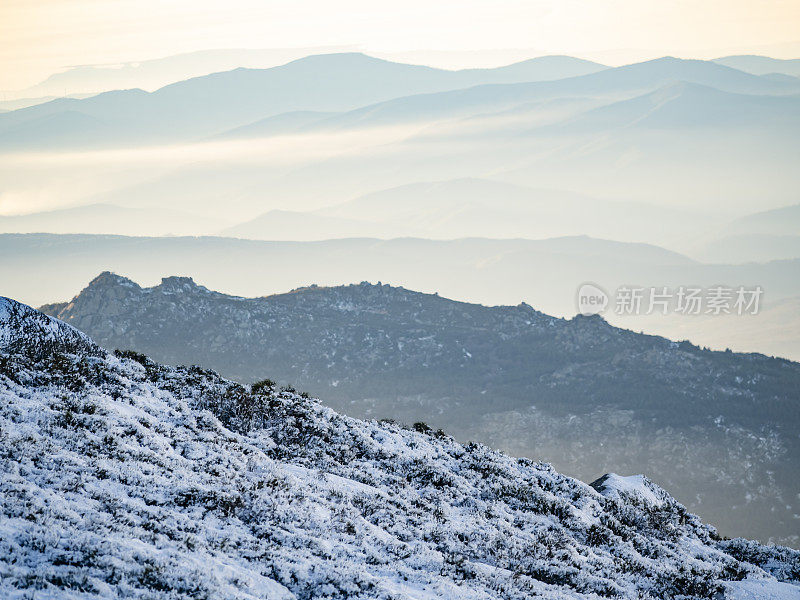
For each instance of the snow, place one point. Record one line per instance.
(120, 477)
(761, 590)
(637, 486)
(19, 323)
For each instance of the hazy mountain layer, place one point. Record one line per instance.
(342, 82)
(543, 273)
(754, 247)
(761, 65)
(694, 137)
(690, 148)
(758, 237)
(213, 103)
(8, 105)
(778, 221)
(124, 477)
(718, 427)
(155, 73)
(110, 219)
(694, 83)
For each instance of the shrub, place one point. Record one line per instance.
(421, 427)
(265, 386)
(132, 355)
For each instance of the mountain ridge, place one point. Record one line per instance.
(510, 376)
(213, 104)
(190, 484)
(635, 78)
(761, 65)
(689, 105)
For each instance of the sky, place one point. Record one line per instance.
(41, 37)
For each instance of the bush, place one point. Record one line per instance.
(421, 427)
(597, 536)
(132, 355)
(265, 386)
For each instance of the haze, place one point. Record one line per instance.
(579, 129)
(41, 37)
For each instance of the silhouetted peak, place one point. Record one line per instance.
(107, 279)
(339, 59)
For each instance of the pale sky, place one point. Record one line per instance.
(40, 37)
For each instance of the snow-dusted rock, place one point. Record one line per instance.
(24, 329)
(637, 487)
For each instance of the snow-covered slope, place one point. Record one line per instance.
(120, 477)
(718, 429)
(24, 329)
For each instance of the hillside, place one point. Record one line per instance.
(718, 428)
(124, 477)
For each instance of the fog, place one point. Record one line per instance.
(687, 156)
(44, 181)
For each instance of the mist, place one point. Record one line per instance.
(693, 157)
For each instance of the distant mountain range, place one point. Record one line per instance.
(667, 152)
(214, 103)
(684, 105)
(541, 272)
(155, 73)
(17, 103)
(211, 104)
(550, 269)
(468, 207)
(778, 221)
(544, 273)
(715, 426)
(761, 65)
(752, 248)
(610, 84)
(453, 209)
(472, 207)
(758, 237)
(696, 136)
